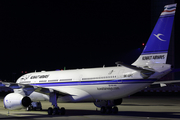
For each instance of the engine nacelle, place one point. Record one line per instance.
(14, 101)
(107, 103)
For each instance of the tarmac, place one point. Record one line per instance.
(132, 108)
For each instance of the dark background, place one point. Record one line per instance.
(49, 35)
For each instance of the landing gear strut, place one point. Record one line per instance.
(56, 110)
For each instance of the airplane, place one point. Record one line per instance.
(104, 86)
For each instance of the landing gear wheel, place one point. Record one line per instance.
(63, 111)
(50, 111)
(109, 110)
(115, 110)
(56, 111)
(103, 109)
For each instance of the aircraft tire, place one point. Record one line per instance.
(109, 110)
(103, 109)
(50, 111)
(56, 111)
(115, 110)
(63, 111)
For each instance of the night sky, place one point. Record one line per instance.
(50, 35)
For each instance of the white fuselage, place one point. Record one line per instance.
(105, 83)
(104, 86)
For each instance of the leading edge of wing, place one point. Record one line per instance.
(177, 82)
(28, 88)
(47, 91)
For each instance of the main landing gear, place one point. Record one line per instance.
(55, 110)
(109, 110)
(108, 106)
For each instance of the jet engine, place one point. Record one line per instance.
(107, 103)
(14, 101)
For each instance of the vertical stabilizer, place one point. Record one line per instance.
(156, 49)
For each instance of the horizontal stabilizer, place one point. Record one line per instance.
(175, 82)
(144, 72)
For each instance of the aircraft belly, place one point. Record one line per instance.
(87, 93)
(75, 94)
(115, 91)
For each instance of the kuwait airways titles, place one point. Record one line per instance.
(39, 76)
(153, 57)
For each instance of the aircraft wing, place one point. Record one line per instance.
(28, 89)
(165, 83)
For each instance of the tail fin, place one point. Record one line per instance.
(156, 49)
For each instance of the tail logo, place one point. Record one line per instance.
(158, 37)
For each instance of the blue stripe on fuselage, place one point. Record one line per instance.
(75, 83)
